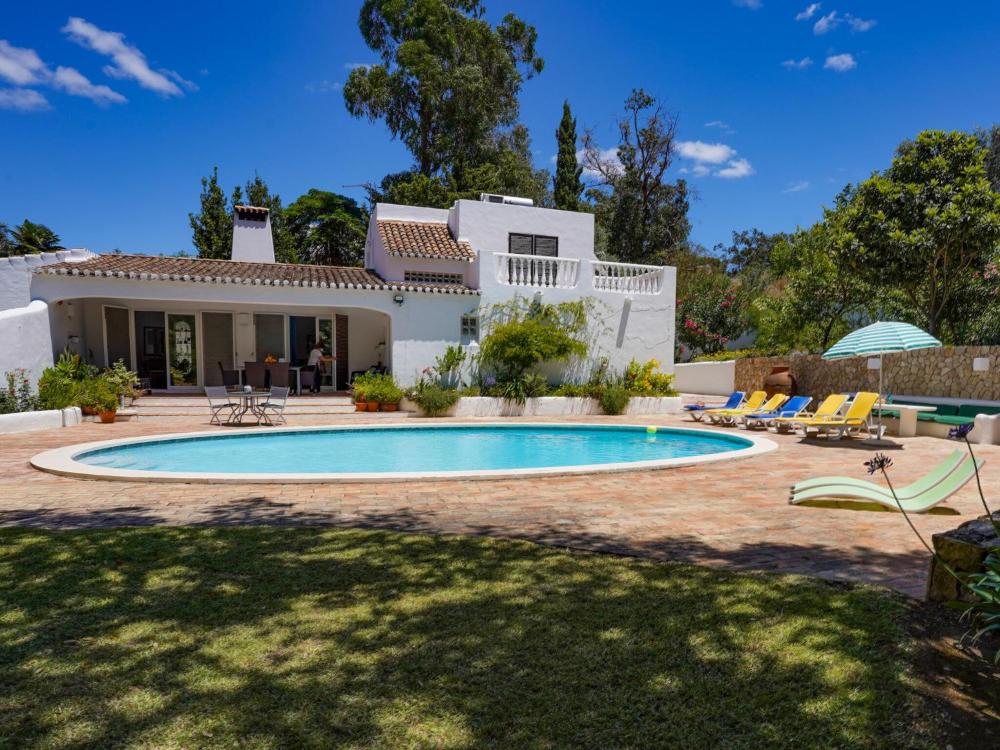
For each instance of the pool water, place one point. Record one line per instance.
(412, 449)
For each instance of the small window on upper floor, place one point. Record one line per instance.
(470, 328)
(533, 244)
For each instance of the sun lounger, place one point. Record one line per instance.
(921, 496)
(926, 482)
(857, 418)
(754, 401)
(729, 416)
(830, 407)
(790, 408)
(695, 410)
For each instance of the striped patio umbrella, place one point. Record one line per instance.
(879, 338)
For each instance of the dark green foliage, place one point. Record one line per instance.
(567, 186)
(327, 228)
(447, 79)
(27, 238)
(17, 394)
(212, 226)
(434, 399)
(614, 398)
(641, 215)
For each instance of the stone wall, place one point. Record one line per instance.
(945, 372)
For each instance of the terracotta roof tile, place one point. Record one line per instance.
(423, 239)
(193, 270)
(259, 212)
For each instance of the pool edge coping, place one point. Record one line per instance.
(62, 461)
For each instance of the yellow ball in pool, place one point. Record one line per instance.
(651, 430)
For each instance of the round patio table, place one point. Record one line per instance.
(250, 402)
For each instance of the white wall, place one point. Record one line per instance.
(15, 274)
(25, 340)
(706, 378)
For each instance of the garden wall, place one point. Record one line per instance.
(706, 378)
(40, 420)
(943, 372)
(25, 340)
(553, 406)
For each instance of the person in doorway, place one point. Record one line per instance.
(316, 364)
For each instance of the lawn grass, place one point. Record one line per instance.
(263, 637)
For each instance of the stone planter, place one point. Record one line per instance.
(964, 549)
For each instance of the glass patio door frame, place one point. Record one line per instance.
(284, 332)
(197, 364)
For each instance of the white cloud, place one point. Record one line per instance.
(860, 24)
(324, 86)
(751, 4)
(73, 82)
(709, 153)
(827, 23)
(24, 67)
(841, 63)
(608, 156)
(23, 100)
(128, 61)
(796, 187)
(700, 170)
(723, 126)
(736, 169)
(808, 13)
(802, 64)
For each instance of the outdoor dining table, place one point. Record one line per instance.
(250, 402)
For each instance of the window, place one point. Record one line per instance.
(470, 328)
(432, 277)
(533, 244)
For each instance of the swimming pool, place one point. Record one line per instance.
(393, 452)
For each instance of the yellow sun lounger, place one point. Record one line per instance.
(753, 403)
(830, 408)
(857, 418)
(728, 416)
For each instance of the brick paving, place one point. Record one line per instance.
(731, 514)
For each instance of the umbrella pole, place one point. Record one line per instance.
(881, 401)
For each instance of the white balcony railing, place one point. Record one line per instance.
(537, 271)
(626, 278)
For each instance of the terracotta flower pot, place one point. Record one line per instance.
(360, 406)
(373, 405)
(107, 417)
(88, 410)
(390, 407)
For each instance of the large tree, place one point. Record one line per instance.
(6, 246)
(447, 80)
(328, 229)
(925, 226)
(641, 214)
(212, 227)
(567, 186)
(29, 237)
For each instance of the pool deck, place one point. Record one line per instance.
(732, 514)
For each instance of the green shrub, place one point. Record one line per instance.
(644, 380)
(572, 390)
(725, 356)
(614, 398)
(360, 386)
(382, 389)
(122, 380)
(98, 393)
(17, 396)
(433, 399)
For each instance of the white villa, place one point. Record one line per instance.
(429, 274)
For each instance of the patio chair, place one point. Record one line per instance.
(753, 403)
(309, 378)
(255, 374)
(790, 408)
(275, 405)
(279, 375)
(695, 410)
(830, 407)
(920, 497)
(230, 378)
(219, 402)
(857, 419)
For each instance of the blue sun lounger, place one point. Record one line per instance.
(734, 401)
(791, 408)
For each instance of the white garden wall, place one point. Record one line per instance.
(706, 378)
(49, 419)
(25, 340)
(553, 406)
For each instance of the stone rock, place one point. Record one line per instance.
(963, 549)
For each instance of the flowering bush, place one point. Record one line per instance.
(645, 380)
(711, 314)
(17, 395)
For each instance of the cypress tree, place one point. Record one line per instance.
(567, 186)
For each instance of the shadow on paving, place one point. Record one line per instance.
(270, 637)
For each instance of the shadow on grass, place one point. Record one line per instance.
(271, 637)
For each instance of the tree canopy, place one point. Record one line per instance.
(567, 187)
(26, 238)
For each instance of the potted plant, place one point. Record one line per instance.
(373, 393)
(390, 395)
(359, 390)
(99, 397)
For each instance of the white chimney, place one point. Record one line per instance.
(252, 241)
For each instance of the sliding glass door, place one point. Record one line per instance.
(151, 347)
(269, 336)
(217, 345)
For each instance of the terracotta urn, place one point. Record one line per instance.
(780, 380)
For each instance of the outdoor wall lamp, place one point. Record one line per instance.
(398, 299)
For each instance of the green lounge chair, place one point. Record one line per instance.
(911, 497)
(930, 480)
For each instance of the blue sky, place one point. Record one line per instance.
(109, 120)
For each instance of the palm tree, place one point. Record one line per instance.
(5, 247)
(30, 237)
